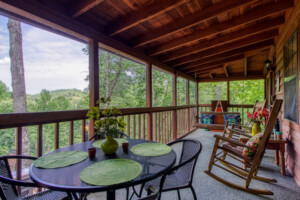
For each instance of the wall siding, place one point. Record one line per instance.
(291, 131)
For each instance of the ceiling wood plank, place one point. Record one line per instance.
(83, 6)
(254, 15)
(251, 30)
(219, 62)
(254, 47)
(233, 45)
(226, 70)
(238, 78)
(143, 14)
(189, 21)
(211, 75)
(209, 70)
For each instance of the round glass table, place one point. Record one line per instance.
(67, 178)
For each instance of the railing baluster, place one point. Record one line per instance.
(83, 137)
(19, 152)
(139, 126)
(134, 126)
(155, 126)
(144, 127)
(56, 136)
(128, 125)
(40, 141)
(165, 128)
(71, 134)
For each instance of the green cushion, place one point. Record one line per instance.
(252, 142)
(60, 159)
(151, 149)
(110, 172)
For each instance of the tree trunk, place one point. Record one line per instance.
(18, 78)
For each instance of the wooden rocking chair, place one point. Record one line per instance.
(224, 145)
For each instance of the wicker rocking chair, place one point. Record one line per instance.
(232, 148)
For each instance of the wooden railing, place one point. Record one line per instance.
(136, 118)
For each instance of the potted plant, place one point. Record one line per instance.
(257, 118)
(106, 124)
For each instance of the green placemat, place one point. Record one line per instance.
(110, 172)
(60, 159)
(151, 149)
(119, 140)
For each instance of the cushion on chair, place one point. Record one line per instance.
(235, 149)
(252, 142)
(232, 118)
(207, 118)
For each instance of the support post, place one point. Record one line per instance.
(174, 112)
(149, 101)
(188, 103)
(19, 133)
(228, 94)
(94, 78)
(197, 101)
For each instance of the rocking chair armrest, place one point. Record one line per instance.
(218, 137)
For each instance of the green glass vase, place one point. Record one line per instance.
(255, 128)
(109, 145)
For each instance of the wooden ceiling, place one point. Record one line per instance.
(206, 39)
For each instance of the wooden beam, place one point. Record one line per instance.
(188, 21)
(93, 78)
(245, 62)
(211, 75)
(149, 101)
(256, 14)
(254, 47)
(226, 70)
(224, 39)
(219, 62)
(83, 6)
(231, 46)
(143, 14)
(54, 21)
(256, 77)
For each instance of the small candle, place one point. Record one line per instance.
(125, 146)
(92, 153)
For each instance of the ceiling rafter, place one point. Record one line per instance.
(233, 45)
(226, 70)
(257, 47)
(219, 62)
(189, 21)
(143, 14)
(254, 15)
(209, 69)
(83, 6)
(251, 30)
(245, 62)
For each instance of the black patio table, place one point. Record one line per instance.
(67, 178)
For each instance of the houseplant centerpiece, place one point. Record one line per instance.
(106, 124)
(257, 118)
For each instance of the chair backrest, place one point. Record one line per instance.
(7, 191)
(153, 196)
(259, 105)
(268, 130)
(190, 151)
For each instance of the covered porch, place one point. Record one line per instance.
(197, 41)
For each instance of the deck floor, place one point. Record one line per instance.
(208, 188)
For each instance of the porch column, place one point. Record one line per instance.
(149, 100)
(197, 101)
(93, 78)
(188, 103)
(228, 94)
(174, 112)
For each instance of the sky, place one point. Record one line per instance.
(51, 61)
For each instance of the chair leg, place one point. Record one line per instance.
(127, 193)
(194, 193)
(178, 193)
(212, 158)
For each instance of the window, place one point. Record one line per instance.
(290, 78)
(181, 91)
(212, 91)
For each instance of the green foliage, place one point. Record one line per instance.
(192, 92)
(212, 91)
(162, 88)
(181, 91)
(246, 92)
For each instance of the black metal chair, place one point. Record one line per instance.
(8, 185)
(181, 175)
(97, 137)
(153, 194)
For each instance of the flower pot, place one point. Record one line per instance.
(255, 128)
(109, 145)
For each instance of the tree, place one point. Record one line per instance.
(18, 79)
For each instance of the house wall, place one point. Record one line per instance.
(291, 131)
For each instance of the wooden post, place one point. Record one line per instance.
(174, 96)
(188, 103)
(197, 101)
(56, 136)
(71, 134)
(19, 134)
(40, 141)
(149, 101)
(94, 77)
(228, 92)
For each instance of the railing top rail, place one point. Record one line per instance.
(12, 120)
